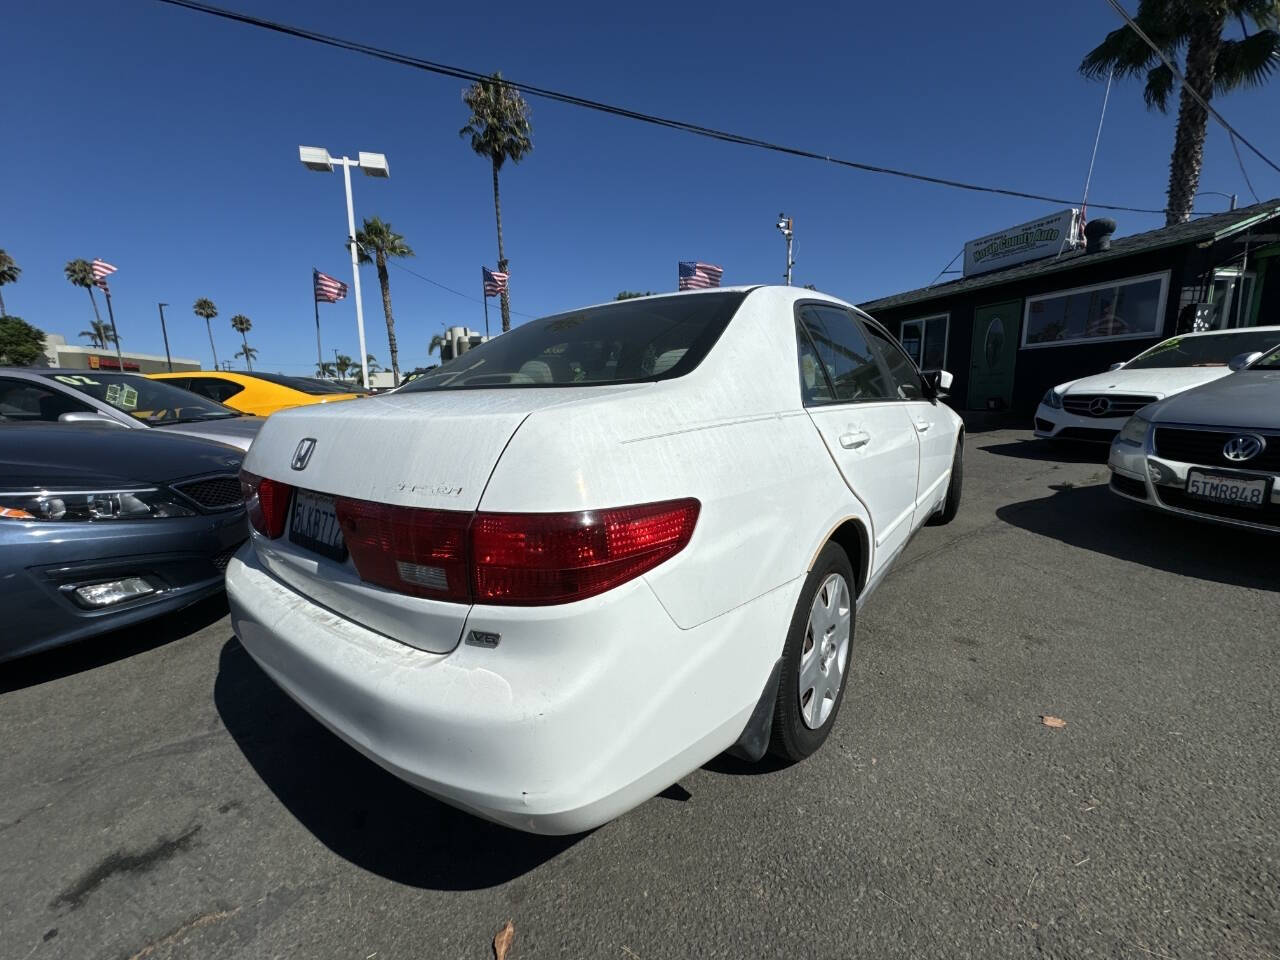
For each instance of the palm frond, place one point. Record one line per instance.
(1122, 51)
(1248, 62)
(1159, 85)
(499, 125)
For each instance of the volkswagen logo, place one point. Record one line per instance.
(1244, 447)
(302, 456)
(1099, 407)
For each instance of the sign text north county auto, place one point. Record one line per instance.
(1046, 237)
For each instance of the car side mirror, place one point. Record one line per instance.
(941, 381)
(1242, 360)
(89, 416)
(1115, 366)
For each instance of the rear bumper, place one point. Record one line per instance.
(581, 712)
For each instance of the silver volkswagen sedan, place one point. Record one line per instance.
(119, 399)
(1212, 453)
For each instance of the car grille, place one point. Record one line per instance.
(1267, 516)
(220, 560)
(1205, 447)
(213, 493)
(1117, 404)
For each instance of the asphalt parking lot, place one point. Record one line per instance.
(159, 797)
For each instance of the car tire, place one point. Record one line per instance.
(803, 718)
(951, 506)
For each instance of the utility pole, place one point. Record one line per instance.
(165, 333)
(785, 228)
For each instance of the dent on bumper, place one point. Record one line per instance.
(577, 716)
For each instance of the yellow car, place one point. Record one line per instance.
(259, 393)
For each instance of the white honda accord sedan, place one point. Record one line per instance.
(553, 576)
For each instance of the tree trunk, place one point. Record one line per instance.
(209, 327)
(244, 338)
(1188, 143)
(94, 300)
(502, 259)
(385, 282)
(2, 313)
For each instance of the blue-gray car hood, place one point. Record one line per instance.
(65, 452)
(1247, 399)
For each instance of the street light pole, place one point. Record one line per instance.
(165, 333)
(785, 228)
(374, 165)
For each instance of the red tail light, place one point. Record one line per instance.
(267, 501)
(511, 558)
(416, 551)
(544, 558)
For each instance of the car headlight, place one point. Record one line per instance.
(1052, 399)
(1134, 431)
(52, 504)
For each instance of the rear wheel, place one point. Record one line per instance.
(816, 658)
(951, 506)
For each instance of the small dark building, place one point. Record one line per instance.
(1011, 334)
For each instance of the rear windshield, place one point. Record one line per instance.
(625, 342)
(151, 401)
(302, 384)
(1210, 350)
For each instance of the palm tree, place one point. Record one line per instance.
(1213, 64)
(438, 340)
(499, 129)
(372, 363)
(384, 242)
(242, 325)
(8, 274)
(324, 369)
(80, 273)
(205, 309)
(98, 335)
(342, 365)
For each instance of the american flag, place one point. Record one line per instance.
(102, 270)
(494, 283)
(696, 275)
(328, 290)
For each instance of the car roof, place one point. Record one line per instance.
(1212, 333)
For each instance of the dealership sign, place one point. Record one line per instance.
(1046, 237)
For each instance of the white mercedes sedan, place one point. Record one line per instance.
(550, 578)
(1095, 408)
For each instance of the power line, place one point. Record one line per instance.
(461, 73)
(1195, 94)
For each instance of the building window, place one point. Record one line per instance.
(925, 341)
(1120, 310)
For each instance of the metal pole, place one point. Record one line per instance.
(484, 297)
(316, 300)
(790, 263)
(165, 333)
(114, 336)
(1233, 201)
(355, 267)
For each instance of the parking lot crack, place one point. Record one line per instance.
(123, 862)
(181, 931)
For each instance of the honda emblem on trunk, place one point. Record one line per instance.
(302, 456)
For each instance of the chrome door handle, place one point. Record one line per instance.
(922, 426)
(854, 440)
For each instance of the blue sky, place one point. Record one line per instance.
(166, 143)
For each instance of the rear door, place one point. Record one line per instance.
(931, 423)
(852, 401)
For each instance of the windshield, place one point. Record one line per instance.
(1210, 350)
(625, 342)
(151, 401)
(1270, 362)
(309, 385)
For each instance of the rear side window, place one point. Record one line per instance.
(814, 385)
(214, 388)
(22, 400)
(902, 372)
(649, 338)
(845, 354)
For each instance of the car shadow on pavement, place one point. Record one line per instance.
(354, 807)
(1057, 451)
(1093, 518)
(94, 652)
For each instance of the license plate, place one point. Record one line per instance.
(315, 525)
(1223, 488)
